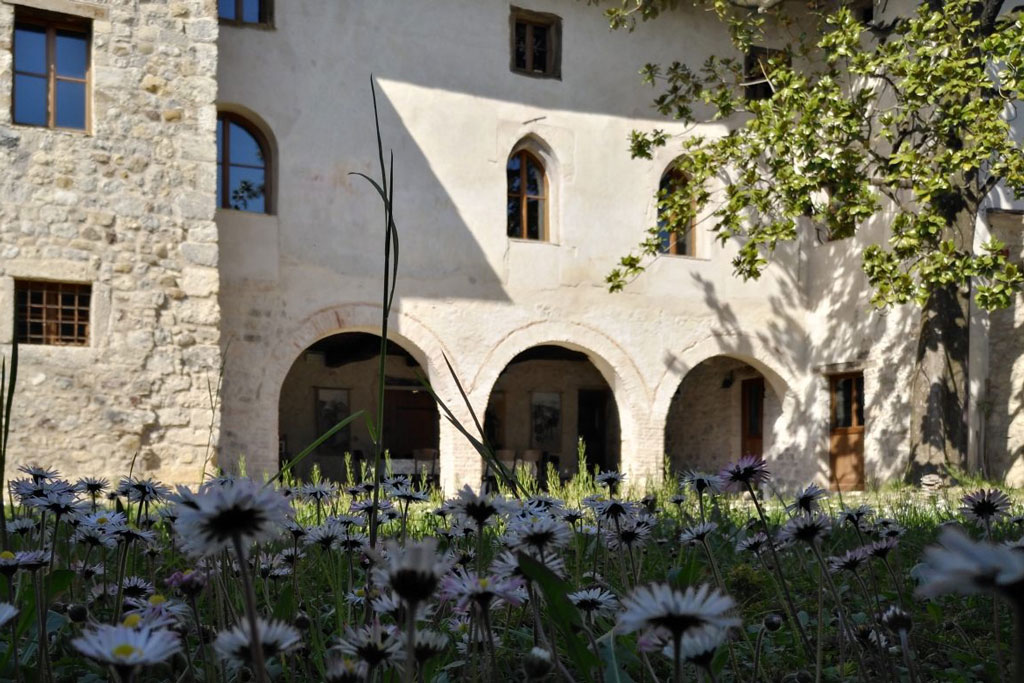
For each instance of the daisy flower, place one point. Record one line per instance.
(610, 479)
(960, 565)
(467, 587)
(481, 509)
(750, 470)
(214, 519)
(985, 505)
(275, 637)
(413, 572)
(429, 644)
(754, 543)
(540, 534)
(341, 669)
(806, 528)
(807, 500)
(850, 561)
(702, 482)
(697, 533)
(663, 611)
(124, 647)
(377, 646)
(594, 602)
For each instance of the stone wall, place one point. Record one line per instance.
(126, 206)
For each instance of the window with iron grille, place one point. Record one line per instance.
(536, 43)
(55, 313)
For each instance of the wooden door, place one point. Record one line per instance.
(410, 422)
(846, 436)
(592, 425)
(752, 418)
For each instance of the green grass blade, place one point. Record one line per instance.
(312, 447)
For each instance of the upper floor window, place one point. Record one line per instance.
(51, 70)
(51, 312)
(757, 69)
(242, 165)
(536, 43)
(244, 11)
(527, 197)
(675, 214)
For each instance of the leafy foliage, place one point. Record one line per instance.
(908, 119)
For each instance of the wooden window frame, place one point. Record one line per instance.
(673, 244)
(756, 85)
(531, 19)
(50, 314)
(224, 172)
(523, 196)
(52, 23)
(266, 19)
(856, 400)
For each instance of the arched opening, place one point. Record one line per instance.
(545, 399)
(337, 376)
(723, 409)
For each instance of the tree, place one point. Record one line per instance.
(912, 113)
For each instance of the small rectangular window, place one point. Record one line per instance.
(51, 70)
(536, 43)
(757, 69)
(55, 313)
(245, 11)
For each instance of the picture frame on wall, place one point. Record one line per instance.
(332, 406)
(546, 421)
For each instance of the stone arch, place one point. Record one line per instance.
(407, 331)
(640, 454)
(782, 381)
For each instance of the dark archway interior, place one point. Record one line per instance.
(547, 398)
(723, 409)
(338, 376)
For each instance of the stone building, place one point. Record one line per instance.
(200, 218)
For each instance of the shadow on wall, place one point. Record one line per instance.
(815, 330)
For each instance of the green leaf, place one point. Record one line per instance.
(564, 614)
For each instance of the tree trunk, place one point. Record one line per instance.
(938, 393)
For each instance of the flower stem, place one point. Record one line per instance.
(255, 646)
(41, 611)
(409, 673)
(778, 571)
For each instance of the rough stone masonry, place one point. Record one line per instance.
(127, 206)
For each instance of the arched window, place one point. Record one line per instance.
(675, 213)
(527, 197)
(243, 165)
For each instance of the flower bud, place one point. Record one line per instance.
(537, 664)
(772, 622)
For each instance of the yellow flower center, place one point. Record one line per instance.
(7, 555)
(102, 520)
(124, 650)
(485, 583)
(188, 572)
(131, 621)
(157, 599)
